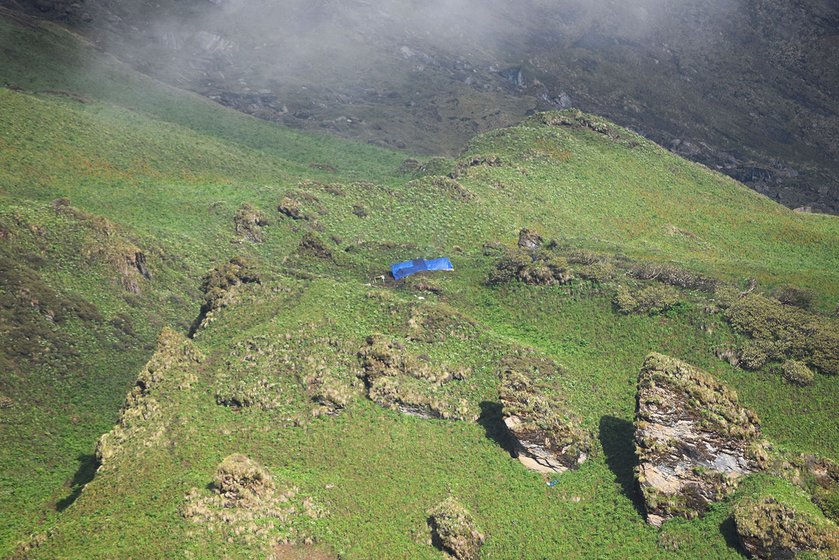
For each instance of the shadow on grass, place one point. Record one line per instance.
(729, 532)
(493, 423)
(84, 474)
(618, 439)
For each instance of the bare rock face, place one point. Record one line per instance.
(547, 436)
(693, 439)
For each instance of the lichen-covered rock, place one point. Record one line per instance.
(453, 530)
(771, 530)
(170, 367)
(547, 436)
(249, 222)
(529, 239)
(693, 439)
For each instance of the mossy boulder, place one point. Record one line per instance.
(693, 439)
(242, 481)
(453, 530)
(772, 530)
(221, 285)
(547, 436)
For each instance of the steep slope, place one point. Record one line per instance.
(748, 87)
(273, 370)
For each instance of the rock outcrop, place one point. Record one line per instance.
(772, 530)
(693, 439)
(547, 436)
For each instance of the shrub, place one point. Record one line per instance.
(797, 373)
(453, 530)
(796, 333)
(755, 354)
(652, 299)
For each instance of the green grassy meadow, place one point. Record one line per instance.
(145, 167)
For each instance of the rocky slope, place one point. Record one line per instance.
(747, 87)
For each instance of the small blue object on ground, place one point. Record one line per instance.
(403, 269)
(553, 483)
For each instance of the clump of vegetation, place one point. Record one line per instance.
(672, 275)
(171, 368)
(462, 167)
(437, 323)
(249, 222)
(454, 531)
(770, 529)
(797, 373)
(652, 299)
(291, 208)
(542, 268)
(247, 505)
(242, 481)
(798, 297)
(312, 245)
(782, 330)
(399, 381)
(445, 185)
(220, 286)
(359, 210)
(545, 431)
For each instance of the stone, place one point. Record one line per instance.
(453, 530)
(693, 439)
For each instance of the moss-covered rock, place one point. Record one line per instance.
(770, 530)
(547, 435)
(453, 530)
(692, 437)
(220, 288)
(241, 480)
(541, 267)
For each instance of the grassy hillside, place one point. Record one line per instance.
(98, 164)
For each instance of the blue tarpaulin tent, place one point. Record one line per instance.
(403, 269)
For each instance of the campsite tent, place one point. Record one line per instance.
(403, 269)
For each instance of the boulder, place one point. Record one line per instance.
(546, 436)
(693, 439)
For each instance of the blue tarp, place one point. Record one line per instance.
(403, 269)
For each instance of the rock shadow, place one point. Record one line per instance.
(729, 532)
(84, 474)
(617, 436)
(492, 421)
